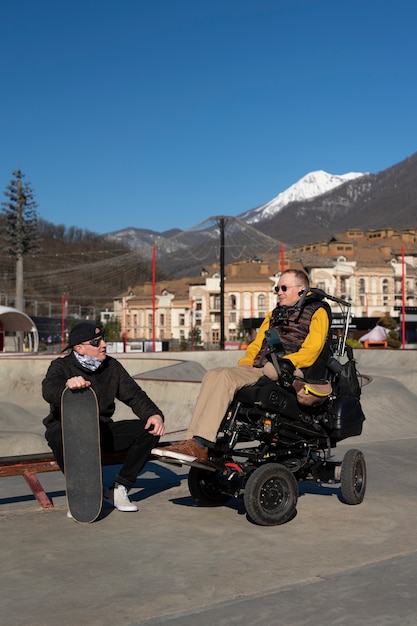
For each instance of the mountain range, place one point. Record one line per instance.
(320, 207)
(315, 208)
(371, 201)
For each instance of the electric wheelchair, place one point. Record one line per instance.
(268, 442)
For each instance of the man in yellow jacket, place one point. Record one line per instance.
(303, 331)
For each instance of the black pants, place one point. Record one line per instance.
(129, 435)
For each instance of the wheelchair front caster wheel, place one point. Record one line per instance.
(204, 488)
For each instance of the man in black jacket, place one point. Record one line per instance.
(88, 365)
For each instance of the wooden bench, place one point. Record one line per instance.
(29, 466)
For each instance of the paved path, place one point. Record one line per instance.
(175, 563)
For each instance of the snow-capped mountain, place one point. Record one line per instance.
(317, 207)
(312, 185)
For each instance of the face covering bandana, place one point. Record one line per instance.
(90, 362)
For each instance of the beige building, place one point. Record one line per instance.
(365, 268)
(248, 292)
(189, 310)
(163, 314)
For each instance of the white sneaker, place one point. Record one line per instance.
(119, 499)
(69, 514)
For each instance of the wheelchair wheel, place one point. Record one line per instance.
(353, 477)
(204, 488)
(271, 495)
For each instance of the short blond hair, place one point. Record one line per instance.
(299, 275)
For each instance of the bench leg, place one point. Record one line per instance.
(37, 490)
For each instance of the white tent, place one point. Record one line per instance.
(378, 333)
(12, 321)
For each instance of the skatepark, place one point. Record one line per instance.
(173, 562)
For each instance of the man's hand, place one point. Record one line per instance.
(155, 425)
(77, 382)
(286, 375)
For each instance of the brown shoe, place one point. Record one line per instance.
(187, 450)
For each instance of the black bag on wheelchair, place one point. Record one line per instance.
(345, 418)
(346, 380)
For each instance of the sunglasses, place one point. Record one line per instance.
(285, 287)
(95, 342)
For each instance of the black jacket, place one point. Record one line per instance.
(109, 381)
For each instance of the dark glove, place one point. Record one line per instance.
(286, 375)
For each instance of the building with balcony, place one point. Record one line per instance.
(373, 270)
(370, 269)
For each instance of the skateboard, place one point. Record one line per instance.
(82, 454)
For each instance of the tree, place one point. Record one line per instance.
(22, 235)
(195, 337)
(112, 330)
(242, 333)
(391, 325)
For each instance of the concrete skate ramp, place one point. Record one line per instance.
(388, 400)
(186, 371)
(390, 411)
(21, 432)
(171, 380)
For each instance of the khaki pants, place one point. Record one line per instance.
(218, 388)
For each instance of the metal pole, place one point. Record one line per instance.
(64, 301)
(222, 337)
(403, 331)
(153, 297)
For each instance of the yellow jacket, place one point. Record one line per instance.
(310, 349)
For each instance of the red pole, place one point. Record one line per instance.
(153, 296)
(282, 258)
(403, 300)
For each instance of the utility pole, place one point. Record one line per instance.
(20, 200)
(221, 222)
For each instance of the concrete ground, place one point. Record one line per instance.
(176, 563)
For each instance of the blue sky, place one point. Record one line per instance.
(162, 113)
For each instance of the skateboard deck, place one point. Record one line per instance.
(82, 454)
